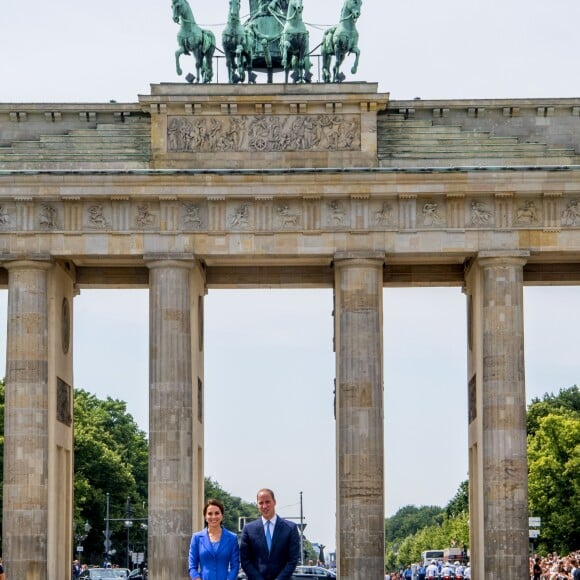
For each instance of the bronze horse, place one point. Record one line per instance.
(193, 39)
(238, 43)
(294, 44)
(341, 40)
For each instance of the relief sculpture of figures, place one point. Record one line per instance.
(4, 217)
(572, 213)
(480, 215)
(341, 40)
(431, 215)
(264, 133)
(193, 40)
(528, 214)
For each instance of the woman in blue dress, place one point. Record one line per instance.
(214, 553)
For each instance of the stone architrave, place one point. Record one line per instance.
(359, 415)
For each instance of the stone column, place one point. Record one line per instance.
(26, 422)
(173, 455)
(498, 452)
(359, 416)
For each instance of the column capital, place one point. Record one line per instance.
(28, 263)
(488, 259)
(167, 260)
(359, 258)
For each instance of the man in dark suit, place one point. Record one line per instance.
(270, 546)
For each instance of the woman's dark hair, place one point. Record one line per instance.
(209, 502)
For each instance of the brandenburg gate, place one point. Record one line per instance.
(197, 187)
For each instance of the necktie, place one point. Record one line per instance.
(268, 535)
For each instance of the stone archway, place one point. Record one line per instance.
(330, 185)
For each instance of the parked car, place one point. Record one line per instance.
(138, 574)
(318, 572)
(99, 574)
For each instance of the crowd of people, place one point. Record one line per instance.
(555, 567)
(433, 569)
(551, 567)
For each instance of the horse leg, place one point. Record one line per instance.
(356, 52)
(198, 57)
(178, 54)
(207, 66)
(339, 58)
(240, 65)
(326, 57)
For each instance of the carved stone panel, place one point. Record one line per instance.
(264, 133)
(63, 402)
(432, 214)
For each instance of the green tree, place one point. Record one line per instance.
(459, 504)
(566, 403)
(554, 480)
(234, 507)
(409, 519)
(111, 457)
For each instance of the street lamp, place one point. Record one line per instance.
(81, 537)
(128, 523)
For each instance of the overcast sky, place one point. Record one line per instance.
(269, 360)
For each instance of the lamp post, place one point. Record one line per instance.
(81, 537)
(128, 523)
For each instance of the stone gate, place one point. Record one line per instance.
(336, 186)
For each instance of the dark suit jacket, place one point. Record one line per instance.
(280, 563)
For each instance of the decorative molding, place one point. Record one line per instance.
(308, 213)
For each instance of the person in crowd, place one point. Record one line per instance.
(270, 545)
(214, 552)
(432, 570)
(421, 572)
(575, 569)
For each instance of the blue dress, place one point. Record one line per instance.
(220, 561)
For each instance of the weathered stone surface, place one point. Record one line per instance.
(444, 192)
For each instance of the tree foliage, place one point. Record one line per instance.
(234, 507)
(554, 480)
(413, 530)
(409, 520)
(111, 458)
(565, 403)
(459, 504)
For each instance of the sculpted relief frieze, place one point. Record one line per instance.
(265, 133)
(290, 214)
(571, 214)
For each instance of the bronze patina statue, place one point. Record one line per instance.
(273, 39)
(238, 43)
(294, 44)
(193, 40)
(341, 40)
